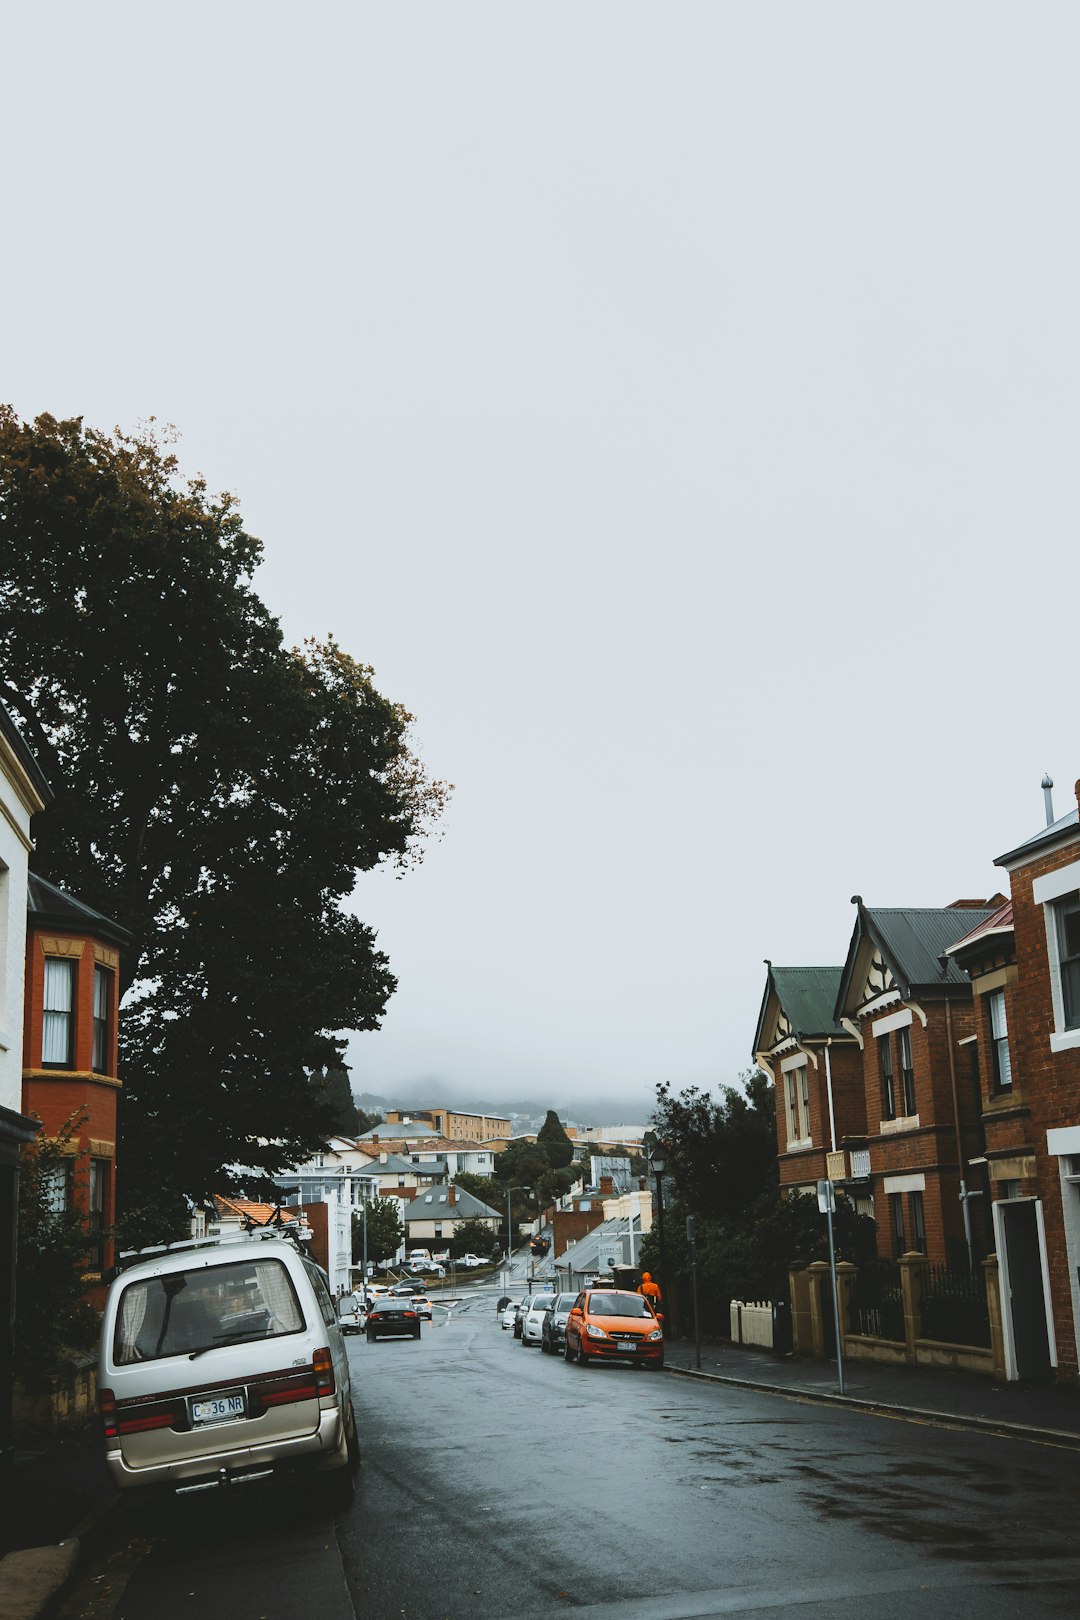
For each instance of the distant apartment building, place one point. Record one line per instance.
(454, 1123)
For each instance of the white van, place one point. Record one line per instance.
(222, 1363)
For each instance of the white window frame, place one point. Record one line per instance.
(1000, 1051)
(796, 1073)
(1046, 891)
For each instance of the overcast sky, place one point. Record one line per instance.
(676, 404)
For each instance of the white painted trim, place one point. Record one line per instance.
(1066, 1040)
(1047, 1297)
(1065, 1140)
(967, 1040)
(896, 1020)
(1054, 884)
(885, 999)
(1008, 1343)
(798, 1061)
(916, 1182)
(853, 1029)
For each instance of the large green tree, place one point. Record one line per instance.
(554, 1141)
(722, 1151)
(385, 1230)
(217, 794)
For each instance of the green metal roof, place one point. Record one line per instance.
(808, 997)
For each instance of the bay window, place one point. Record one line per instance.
(58, 1023)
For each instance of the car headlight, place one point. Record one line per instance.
(594, 1332)
(657, 1333)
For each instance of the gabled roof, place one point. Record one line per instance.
(435, 1205)
(807, 998)
(398, 1166)
(911, 941)
(50, 907)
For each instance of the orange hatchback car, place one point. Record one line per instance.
(608, 1324)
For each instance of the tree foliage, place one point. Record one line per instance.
(555, 1142)
(722, 1154)
(473, 1236)
(51, 1315)
(337, 1094)
(385, 1231)
(217, 794)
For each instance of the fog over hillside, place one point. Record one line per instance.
(525, 1113)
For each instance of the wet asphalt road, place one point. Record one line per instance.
(499, 1482)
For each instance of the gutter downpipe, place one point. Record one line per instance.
(959, 1146)
(828, 1090)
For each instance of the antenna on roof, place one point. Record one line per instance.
(1048, 798)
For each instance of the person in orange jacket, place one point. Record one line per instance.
(650, 1290)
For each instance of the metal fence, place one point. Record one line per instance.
(953, 1307)
(877, 1304)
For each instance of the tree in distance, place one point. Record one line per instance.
(554, 1141)
(217, 794)
(385, 1231)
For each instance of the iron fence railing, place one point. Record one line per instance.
(877, 1305)
(953, 1307)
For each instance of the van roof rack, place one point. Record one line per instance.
(254, 1233)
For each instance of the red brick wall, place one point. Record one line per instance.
(1050, 1081)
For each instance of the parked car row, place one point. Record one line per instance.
(597, 1324)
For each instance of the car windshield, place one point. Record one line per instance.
(188, 1311)
(544, 1303)
(618, 1305)
(565, 1302)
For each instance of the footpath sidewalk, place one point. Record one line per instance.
(55, 1494)
(964, 1400)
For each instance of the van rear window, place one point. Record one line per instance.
(187, 1312)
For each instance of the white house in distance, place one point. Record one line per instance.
(435, 1215)
(23, 792)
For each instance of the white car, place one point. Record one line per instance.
(470, 1261)
(532, 1318)
(509, 1315)
(223, 1361)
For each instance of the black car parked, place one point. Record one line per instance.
(553, 1332)
(392, 1318)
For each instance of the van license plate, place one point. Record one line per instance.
(219, 1408)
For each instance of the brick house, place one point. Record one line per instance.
(816, 1067)
(1024, 965)
(910, 1008)
(69, 1052)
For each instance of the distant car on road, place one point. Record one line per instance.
(392, 1318)
(532, 1318)
(470, 1261)
(406, 1290)
(352, 1314)
(509, 1315)
(422, 1306)
(553, 1333)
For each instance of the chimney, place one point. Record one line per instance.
(607, 1187)
(1048, 798)
(383, 1156)
(451, 1194)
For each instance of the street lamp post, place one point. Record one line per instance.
(510, 1229)
(658, 1164)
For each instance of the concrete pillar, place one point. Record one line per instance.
(993, 1304)
(912, 1271)
(801, 1333)
(846, 1274)
(820, 1278)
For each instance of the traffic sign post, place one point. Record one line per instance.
(826, 1200)
(690, 1234)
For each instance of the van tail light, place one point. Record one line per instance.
(323, 1363)
(106, 1402)
(150, 1420)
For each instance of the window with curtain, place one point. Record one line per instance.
(1067, 917)
(896, 1211)
(99, 1181)
(907, 1072)
(885, 1066)
(999, 1038)
(58, 1026)
(918, 1222)
(102, 1003)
